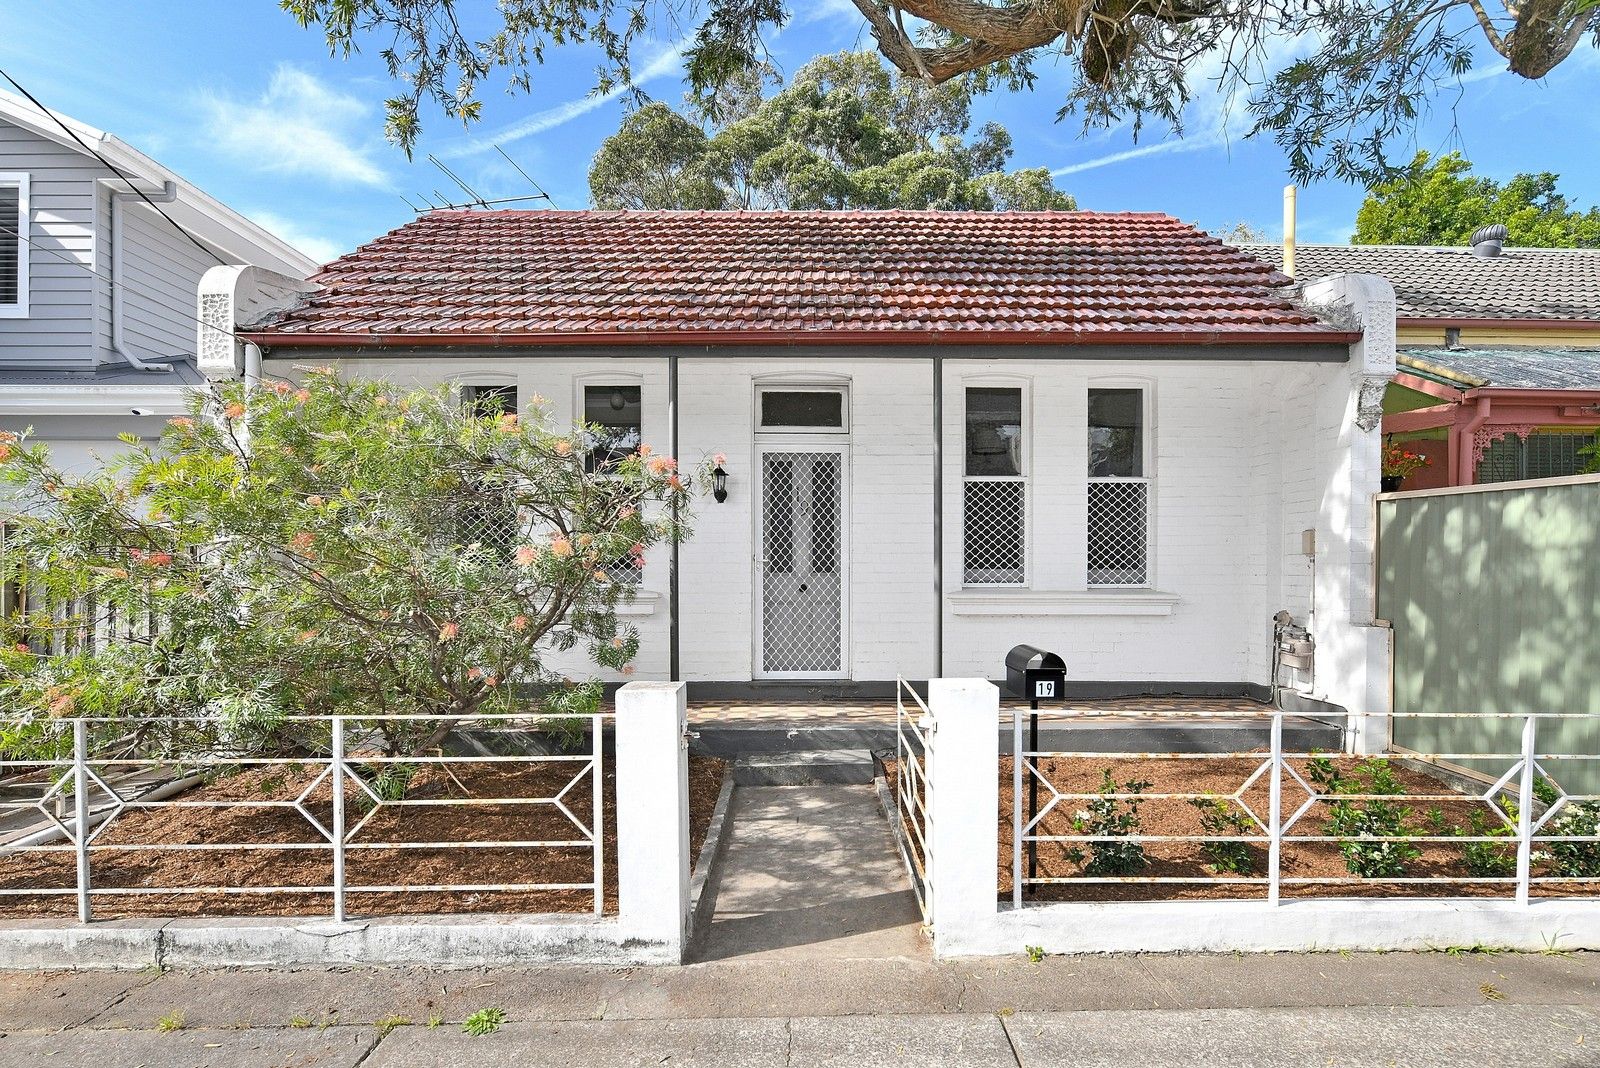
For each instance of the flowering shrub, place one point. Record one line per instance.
(337, 548)
(1362, 821)
(1399, 461)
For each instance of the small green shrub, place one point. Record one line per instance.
(1365, 820)
(1114, 818)
(1490, 860)
(1573, 860)
(1217, 816)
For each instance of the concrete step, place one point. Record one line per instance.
(804, 768)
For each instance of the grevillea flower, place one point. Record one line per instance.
(22, 647)
(508, 423)
(491, 681)
(160, 559)
(448, 631)
(234, 411)
(719, 458)
(182, 422)
(315, 500)
(280, 387)
(5, 453)
(519, 623)
(303, 540)
(380, 401)
(628, 512)
(306, 636)
(585, 540)
(302, 395)
(561, 546)
(61, 702)
(601, 576)
(627, 669)
(563, 447)
(645, 450)
(636, 549)
(675, 482)
(616, 643)
(526, 555)
(475, 673)
(660, 465)
(136, 555)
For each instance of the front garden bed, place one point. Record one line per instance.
(281, 849)
(1421, 805)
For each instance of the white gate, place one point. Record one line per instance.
(913, 792)
(801, 563)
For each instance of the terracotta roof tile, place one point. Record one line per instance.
(746, 277)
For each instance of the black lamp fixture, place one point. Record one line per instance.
(719, 484)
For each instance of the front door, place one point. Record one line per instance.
(800, 563)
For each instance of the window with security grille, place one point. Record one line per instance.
(1539, 455)
(994, 492)
(489, 519)
(1118, 489)
(13, 244)
(615, 415)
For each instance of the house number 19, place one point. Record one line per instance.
(1044, 688)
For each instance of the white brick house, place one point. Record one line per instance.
(946, 433)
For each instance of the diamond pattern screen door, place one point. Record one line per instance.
(800, 561)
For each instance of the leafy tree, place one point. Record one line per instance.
(1439, 201)
(1361, 74)
(845, 134)
(337, 548)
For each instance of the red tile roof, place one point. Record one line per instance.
(576, 277)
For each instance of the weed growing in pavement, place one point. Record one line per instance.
(484, 1022)
(172, 1021)
(299, 1023)
(389, 1023)
(1035, 954)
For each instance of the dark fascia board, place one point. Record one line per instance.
(1285, 352)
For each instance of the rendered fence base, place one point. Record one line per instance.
(1255, 926)
(435, 941)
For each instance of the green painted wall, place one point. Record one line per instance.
(1495, 602)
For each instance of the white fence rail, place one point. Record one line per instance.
(1484, 820)
(106, 800)
(913, 789)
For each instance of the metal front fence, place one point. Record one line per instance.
(1486, 819)
(913, 789)
(491, 813)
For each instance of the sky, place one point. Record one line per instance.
(240, 100)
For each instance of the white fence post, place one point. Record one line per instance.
(964, 773)
(652, 761)
(80, 812)
(336, 778)
(1275, 816)
(1530, 757)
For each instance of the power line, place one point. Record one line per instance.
(110, 281)
(70, 132)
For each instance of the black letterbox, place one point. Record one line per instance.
(1035, 674)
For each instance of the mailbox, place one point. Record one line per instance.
(1035, 674)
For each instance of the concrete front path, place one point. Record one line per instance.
(1433, 1010)
(811, 872)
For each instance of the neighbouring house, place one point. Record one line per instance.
(101, 250)
(944, 433)
(1498, 368)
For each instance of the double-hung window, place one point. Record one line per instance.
(615, 417)
(490, 520)
(14, 239)
(994, 489)
(1119, 489)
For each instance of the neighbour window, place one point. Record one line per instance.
(1539, 455)
(1119, 489)
(615, 415)
(490, 402)
(13, 245)
(994, 493)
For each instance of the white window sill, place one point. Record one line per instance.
(643, 603)
(1015, 602)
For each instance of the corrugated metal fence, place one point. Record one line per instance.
(1494, 595)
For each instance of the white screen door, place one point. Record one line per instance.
(801, 553)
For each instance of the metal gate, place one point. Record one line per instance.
(800, 594)
(913, 792)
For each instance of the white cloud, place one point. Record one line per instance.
(300, 126)
(665, 62)
(319, 248)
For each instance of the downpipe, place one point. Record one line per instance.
(168, 194)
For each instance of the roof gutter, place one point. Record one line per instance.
(1309, 336)
(1481, 321)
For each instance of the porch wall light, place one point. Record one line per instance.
(719, 484)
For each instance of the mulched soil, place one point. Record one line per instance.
(1223, 777)
(262, 865)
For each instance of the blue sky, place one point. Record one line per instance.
(236, 97)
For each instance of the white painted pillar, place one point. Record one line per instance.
(964, 775)
(653, 815)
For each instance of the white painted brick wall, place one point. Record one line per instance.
(1244, 454)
